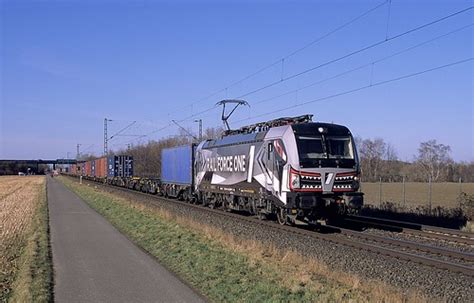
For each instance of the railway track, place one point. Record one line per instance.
(434, 251)
(450, 260)
(417, 230)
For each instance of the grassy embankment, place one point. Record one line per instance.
(225, 268)
(25, 260)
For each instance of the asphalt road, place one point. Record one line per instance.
(93, 262)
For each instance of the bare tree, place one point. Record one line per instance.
(372, 153)
(433, 158)
(213, 132)
(391, 166)
(390, 153)
(147, 156)
(378, 159)
(87, 157)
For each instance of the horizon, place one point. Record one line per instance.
(67, 66)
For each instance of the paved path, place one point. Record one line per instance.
(93, 262)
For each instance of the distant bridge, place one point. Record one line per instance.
(14, 166)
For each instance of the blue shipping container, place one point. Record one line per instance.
(177, 165)
(120, 166)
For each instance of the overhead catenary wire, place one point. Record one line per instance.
(282, 59)
(388, 18)
(363, 49)
(372, 63)
(387, 39)
(151, 133)
(362, 88)
(291, 54)
(199, 113)
(122, 130)
(185, 130)
(87, 148)
(171, 124)
(139, 135)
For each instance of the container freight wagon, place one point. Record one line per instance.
(83, 168)
(73, 169)
(119, 166)
(87, 168)
(92, 168)
(124, 166)
(119, 171)
(111, 166)
(101, 168)
(177, 171)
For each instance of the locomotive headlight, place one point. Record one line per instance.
(320, 129)
(294, 180)
(356, 178)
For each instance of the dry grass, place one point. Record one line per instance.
(469, 227)
(417, 194)
(297, 272)
(21, 199)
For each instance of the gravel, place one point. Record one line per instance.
(435, 283)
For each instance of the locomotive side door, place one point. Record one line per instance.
(271, 174)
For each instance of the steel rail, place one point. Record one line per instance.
(421, 230)
(468, 257)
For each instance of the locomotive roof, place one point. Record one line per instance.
(235, 139)
(301, 128)
(311, 128)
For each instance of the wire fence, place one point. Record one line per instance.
(413, 194)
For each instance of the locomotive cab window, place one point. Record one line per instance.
(311, 147)
(340, 148)
(325, 149)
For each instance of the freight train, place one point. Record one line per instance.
(290, 169)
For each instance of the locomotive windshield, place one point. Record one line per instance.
(340, 148)
(316, 148)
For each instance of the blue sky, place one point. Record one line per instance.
(65, 65)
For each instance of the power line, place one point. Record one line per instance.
(388, 18)
(199, 113)
(356, 52)
(363, 88)
(185, 130)
(310, 43)
(172, 123)
(347, 71)
(88, 148)
(151, 133)
(365, 65)
(122, 130)
(298, 50)
(319, 66)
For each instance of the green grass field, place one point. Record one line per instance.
(416, 194)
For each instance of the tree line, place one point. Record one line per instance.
(147, 156)
(378, 160)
